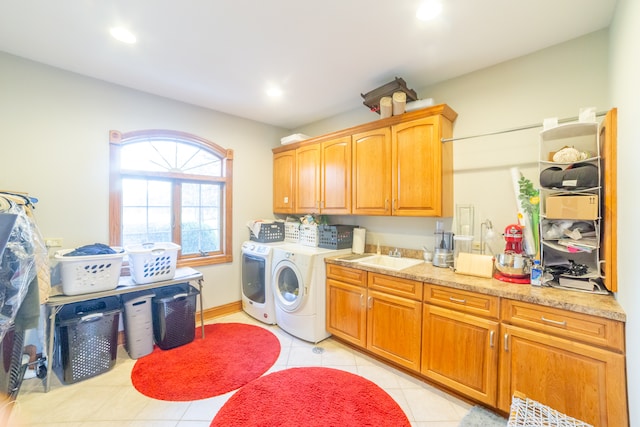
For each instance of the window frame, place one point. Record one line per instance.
(118, 139)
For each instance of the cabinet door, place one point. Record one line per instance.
(335, 188)
(461, 352)
(417, 169)
(308, 179)
(371, 172)
(346, 312)
(393, 328)
(284, 176)
(609, 237)
(582, 381)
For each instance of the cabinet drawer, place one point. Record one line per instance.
(353, 276)
(468, 302)
(395, 286)
(576, 326)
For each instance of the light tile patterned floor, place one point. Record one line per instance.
(109, 399)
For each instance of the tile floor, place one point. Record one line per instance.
(109, 399)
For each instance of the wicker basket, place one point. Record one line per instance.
(526, 412)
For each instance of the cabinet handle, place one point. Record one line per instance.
(491, 336)
(361, 300)
(459, 301)
(554, 322)
(394, 204)
(369, 301)
(386, 204)
(506, 342)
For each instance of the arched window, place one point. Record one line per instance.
(169, 186)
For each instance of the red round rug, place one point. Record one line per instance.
(310, 397)
(230, 356)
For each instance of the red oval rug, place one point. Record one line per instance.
(310, 397)
(230, 356)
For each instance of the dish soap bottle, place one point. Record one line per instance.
(536, 273)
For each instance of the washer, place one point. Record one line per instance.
(299, 290)
(257, 292)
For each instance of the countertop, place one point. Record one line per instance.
(598, 305)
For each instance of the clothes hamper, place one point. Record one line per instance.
(138, 323)
(88, 336)
(174, 310)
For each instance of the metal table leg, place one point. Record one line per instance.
(53, 311)
(201, 309)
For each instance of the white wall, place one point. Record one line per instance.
(625, 94)
(54, 145)
(555, 82)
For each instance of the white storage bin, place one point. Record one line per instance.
(152, 262)
(89, 273)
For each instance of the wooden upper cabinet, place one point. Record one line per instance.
(284, 170)
(335, 176)
(422, 176)
(392, 166)
(307, 186)
(609, 240)
(371, 172)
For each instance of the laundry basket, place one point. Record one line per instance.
(174, 321)
(152, 262)
(88, 336)
(89, 273)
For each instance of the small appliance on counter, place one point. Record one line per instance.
(511, 265)
(443, 250)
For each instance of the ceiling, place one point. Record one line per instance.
(223, 54)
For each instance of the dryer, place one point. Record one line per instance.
(257, 292)
(299, 289)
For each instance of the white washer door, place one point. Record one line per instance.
(288, 286)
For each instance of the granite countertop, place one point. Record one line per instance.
(581, 302)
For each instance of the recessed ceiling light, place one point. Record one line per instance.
(274, 92)
(429, 10)
(123, 35)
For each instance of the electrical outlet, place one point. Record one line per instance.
(53, 242)
(476, 246)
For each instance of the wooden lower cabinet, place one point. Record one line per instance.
(393, 328)
(460, 341)
(485, 347)
(347, 311)
(461, 352)
(387, 323)
(558, 366)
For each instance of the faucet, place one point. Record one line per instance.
(395, 253)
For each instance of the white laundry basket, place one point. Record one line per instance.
(152, 262)
(89, 273)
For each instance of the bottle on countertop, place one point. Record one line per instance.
(536, 273)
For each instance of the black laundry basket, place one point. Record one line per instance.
(174, 315)
(88, 334)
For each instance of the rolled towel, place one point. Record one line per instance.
(385, 107)
(399, 102)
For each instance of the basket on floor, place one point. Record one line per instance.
(528, 412)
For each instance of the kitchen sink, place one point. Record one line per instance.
(389, 262)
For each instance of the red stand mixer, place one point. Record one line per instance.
(512, 266)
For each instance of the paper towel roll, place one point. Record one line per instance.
(358, 240)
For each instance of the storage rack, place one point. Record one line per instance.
(583, 136)
(125, 285)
